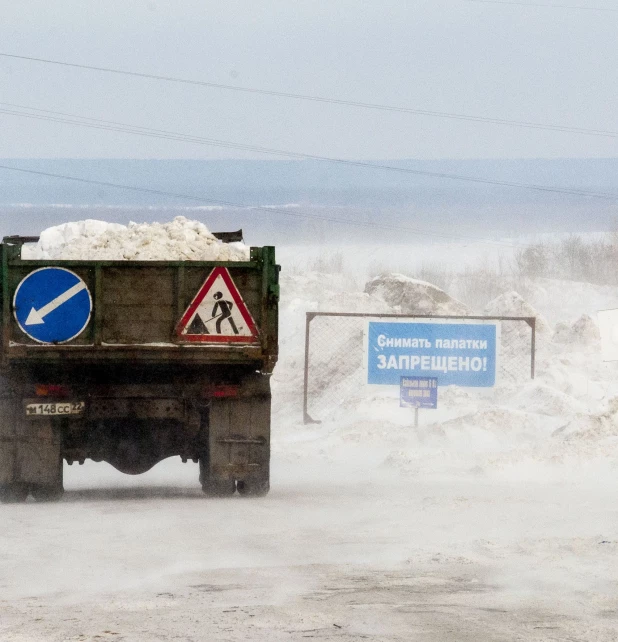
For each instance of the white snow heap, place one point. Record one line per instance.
(584, 331)
(512, 304)
(178, 240)
(540, 398)
(412, 296)
(592, 427)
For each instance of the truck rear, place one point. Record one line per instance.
(131, 362)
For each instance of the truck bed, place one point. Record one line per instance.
(137, 307)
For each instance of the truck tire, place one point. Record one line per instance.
(14, 493)
(47, 493)
(253, 487)
(219, 488)
(50, 491)
(215, 487)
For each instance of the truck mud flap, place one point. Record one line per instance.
(29, 450)
(239, 438)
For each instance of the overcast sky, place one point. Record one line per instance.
(549, 65)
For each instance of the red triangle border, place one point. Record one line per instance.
(240, 305)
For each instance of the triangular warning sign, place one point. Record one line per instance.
(218, 313)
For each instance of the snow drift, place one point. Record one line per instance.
(412, 296)
(512, 304)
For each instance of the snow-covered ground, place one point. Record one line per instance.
(495, 520)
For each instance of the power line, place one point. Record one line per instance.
(49, 115)
(548, 6)
(605, 133)
(277, 210)
(323, 99)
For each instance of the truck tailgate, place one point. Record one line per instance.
(209, 312)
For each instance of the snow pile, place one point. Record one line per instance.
(504, 425)
(504, 432)
(412, 296)
(584, 331)
(178, 240)
(544, 399)
(512, 304)
(592, 427)
(335, 338)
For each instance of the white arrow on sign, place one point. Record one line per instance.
(36, 317)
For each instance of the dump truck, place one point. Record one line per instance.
(132, 362)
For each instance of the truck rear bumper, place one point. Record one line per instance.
(102, 408)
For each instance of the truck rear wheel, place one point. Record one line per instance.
(253, 487)
(53, 490)
(14, 493)
(47, 493)
(215, 486)
(219, 488)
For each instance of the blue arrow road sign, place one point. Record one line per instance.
(52, 305)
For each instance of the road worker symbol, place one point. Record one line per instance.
(223, 312)
(217, 313)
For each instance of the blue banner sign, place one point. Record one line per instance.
(460, 353)
(418, 392)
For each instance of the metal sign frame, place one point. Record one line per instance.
(307, 419)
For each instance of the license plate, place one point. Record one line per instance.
(56, 408)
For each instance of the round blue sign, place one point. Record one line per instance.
(52, 305)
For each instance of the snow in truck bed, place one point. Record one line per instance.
(179, 240)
